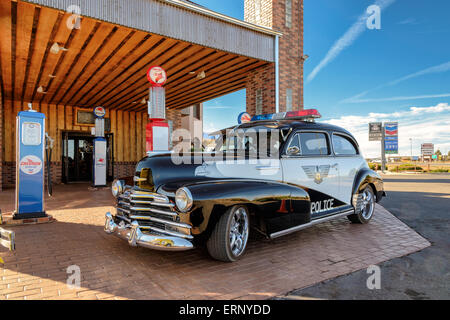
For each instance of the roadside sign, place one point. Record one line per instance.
(391, 137)
(427, 149)
(375, 131)
(434, 156)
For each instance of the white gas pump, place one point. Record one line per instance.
(99, 161)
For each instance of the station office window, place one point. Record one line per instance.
(288, 11)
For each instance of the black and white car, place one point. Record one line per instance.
(273, 176)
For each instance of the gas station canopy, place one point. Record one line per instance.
(104, 62)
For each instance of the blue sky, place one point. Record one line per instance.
(354, 75)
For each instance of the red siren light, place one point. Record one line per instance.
(307, 114)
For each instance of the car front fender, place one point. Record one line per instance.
(212, 198)
(366, 177)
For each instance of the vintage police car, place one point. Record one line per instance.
(317, 174)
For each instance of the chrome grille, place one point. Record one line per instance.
(153, 212)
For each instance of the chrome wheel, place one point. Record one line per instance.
(238, 235)
(367, 204)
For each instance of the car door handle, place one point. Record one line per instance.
(335, 165)
(267, 167)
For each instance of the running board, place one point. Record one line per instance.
(309, 224)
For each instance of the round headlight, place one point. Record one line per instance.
(183, 199)
(117, 187)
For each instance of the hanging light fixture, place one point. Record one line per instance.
(56, 48)
(201, 75)
(41, 90)
(143, 101)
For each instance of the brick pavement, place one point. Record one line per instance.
(110, 269)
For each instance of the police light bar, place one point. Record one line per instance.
(307, 114)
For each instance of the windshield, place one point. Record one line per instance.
(253, 142)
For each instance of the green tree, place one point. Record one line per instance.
(438, 152)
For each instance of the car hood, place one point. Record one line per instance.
(165, 170)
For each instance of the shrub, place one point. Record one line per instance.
(440, 170)
(405, 167)
(373, 166)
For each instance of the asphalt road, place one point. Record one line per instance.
(422, 201)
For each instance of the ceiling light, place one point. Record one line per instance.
(41, 90)
(192, 72)
(51, 76)
(55, 48)
(143, 101)
(201, 75)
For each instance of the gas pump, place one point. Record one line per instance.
(99, 161)
(157, 129)
(30, 168)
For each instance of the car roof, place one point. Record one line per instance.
(292, 123)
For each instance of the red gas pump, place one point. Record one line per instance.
(157, 129)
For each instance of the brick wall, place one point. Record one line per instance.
(124, 169)
(272, 14)
(263, 79)
(9, 173)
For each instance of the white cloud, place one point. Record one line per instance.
(408, 21)
(400, 98)
(209, 127)
(347, 39)
(422, 124)
(219, 107)
(435, 69)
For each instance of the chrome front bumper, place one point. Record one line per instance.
(136, 237)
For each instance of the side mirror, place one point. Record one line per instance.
(294, 150)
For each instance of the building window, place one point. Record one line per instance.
(258, 14)
(288, 100)
(259, 102)
(288, 10)
(196, 111)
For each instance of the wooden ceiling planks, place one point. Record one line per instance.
(135, 72)
(5, 47)
(69, 58)
(180, 77)
(110, 75)
(88, 54)
(24, 27)
(131, 40)
(109, 46)
(51, 60)
(140, 71)
(47, 19)
(106, 64)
